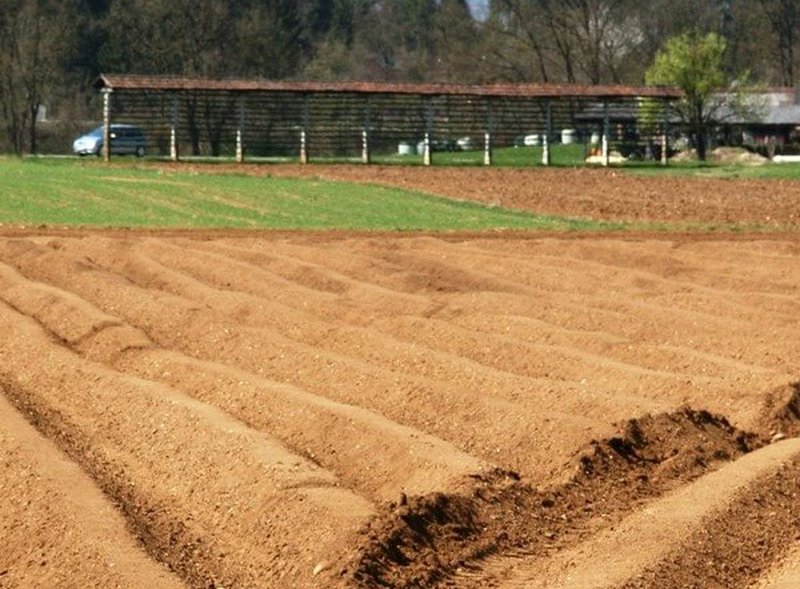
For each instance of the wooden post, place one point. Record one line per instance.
(173, 131)
(606, 130)
(487, 139)
(365, 157)
(304, 133)
(426, 149)
(240, 127)
(106, 124)
(665, 136)
(548, 131)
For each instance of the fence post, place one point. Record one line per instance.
(665, 136)
(365, 158)
(173, 131)
(240, 127)
(107, 124)
(304, 132)
(487, 139)
(548, 131)
(606, 130)
(427, 160)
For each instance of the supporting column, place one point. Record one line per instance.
(173, 131)
(365, 156)
(548, 131)
(426, 150)
(606, 131)
(106, 124)
(239, 129)
(487, 139)
(304, 133)
(665, 136)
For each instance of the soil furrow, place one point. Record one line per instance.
(786, 575)
(505, 527)
(213, 472)
(402, 460)
(87, 542)
(341, 410)
(734, 546)
(677, 538)
(191, 328)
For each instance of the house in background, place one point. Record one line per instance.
(769, 122)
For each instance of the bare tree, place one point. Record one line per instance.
(784, 19)
(592, 37)
(567, 40)
(33, 39)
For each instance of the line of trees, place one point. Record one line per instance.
(51, 50)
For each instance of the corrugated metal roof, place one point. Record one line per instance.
(175, 84)
(783, 115)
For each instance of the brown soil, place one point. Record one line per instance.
(583, 192)
(215, 409)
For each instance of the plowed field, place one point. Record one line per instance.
(296, 410)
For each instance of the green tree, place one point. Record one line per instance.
(695, 64)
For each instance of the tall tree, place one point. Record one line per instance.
(456, 43)
(695, 64)
(588, 41)
(269, 40)
(169, 36)
(518, 49)
(784, 20)
(36, 36)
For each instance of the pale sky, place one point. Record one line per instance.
(478, 7)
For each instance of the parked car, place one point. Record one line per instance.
(465, 143)
(438, 144)
(125, 139)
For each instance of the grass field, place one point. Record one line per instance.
(71, 192)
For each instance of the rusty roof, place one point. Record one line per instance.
(182, 84)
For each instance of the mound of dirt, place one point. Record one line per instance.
(666, 448)
(781, 413)
(723, 155)
(736, 155)
(424, 539)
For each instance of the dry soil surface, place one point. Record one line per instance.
(301, 410)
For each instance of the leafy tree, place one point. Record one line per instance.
(695, 64)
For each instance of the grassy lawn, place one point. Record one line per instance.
(88, 193)
(73, 192)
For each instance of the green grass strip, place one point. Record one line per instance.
(88, 193)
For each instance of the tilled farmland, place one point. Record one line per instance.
(299, 410)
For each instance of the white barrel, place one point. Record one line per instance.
(532, 140)
(405, 148)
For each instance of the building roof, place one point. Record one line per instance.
(181, 84)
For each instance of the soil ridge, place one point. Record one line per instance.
(424, 541)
